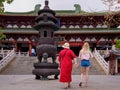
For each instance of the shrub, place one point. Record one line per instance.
(117, 45)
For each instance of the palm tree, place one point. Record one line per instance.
(2, 4)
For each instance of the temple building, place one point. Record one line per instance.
(101, 30)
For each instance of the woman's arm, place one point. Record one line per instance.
(79, 54)
(91, 55)
(75, 60)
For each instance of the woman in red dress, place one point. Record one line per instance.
(65, 59)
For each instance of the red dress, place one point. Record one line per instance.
(66, 65)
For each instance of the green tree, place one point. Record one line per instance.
(117, 45)
(2, 36)
(2, 4)
(110, 20)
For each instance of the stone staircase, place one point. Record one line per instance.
(24, 66)
(95, 68)
(19, 66)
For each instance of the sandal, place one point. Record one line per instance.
(80, 84)
(65, 87)
(69, 85)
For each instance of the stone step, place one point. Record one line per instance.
(20, 66)
(95, 68)
(24, 66)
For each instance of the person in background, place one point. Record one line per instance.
(65, 60)
(33, 52)
(85, 55)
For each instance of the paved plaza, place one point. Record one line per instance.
(28, 82)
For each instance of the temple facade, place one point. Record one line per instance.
(101, 30)
(74, 29)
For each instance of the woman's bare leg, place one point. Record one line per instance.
(69, 85)
(87, 76)
(65, 85)
(81, 76)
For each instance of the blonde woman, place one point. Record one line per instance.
(85, 55)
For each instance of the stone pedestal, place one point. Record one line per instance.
(43, 70)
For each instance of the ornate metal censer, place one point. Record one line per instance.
(46, 25)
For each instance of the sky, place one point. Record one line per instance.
(28, 5)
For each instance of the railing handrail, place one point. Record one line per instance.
(101, 61)
(7, 59)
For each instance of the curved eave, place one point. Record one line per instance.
(116, 52)
(20, 31)
(64, 32)
(87, 32)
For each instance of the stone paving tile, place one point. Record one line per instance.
(28, 82)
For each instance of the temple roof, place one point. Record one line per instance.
(65, 31)
(87, 32)
(76, 11)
